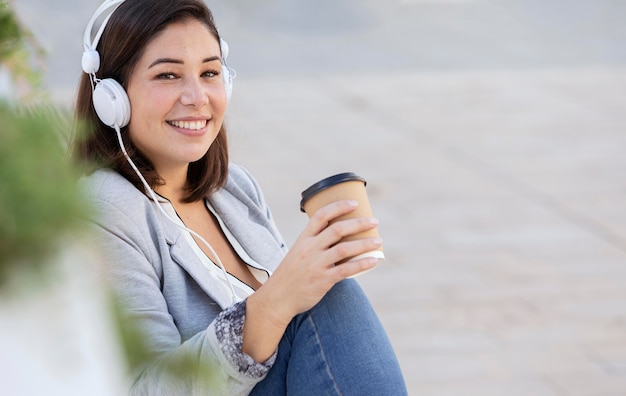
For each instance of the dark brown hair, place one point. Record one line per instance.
(129, 30)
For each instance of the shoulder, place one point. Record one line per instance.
(241, 177)
(242, 184)
(116, 202)
(105, 182)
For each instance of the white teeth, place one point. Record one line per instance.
(194, 125)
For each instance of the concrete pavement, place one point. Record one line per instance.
(491, 135)
(501, 203)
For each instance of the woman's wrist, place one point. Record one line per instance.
(275, 311)
(263, 328)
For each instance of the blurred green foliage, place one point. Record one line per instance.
(39, 197)
(20, 55)
(180, 368)
(11, 34)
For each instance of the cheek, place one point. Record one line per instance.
(146, 107)
(150, 103)
(218, 100)
(146, 95)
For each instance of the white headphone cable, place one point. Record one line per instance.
(156, 202)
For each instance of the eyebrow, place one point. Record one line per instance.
(180, 62)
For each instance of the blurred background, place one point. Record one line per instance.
(491, 133)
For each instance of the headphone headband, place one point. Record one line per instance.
(91, 59)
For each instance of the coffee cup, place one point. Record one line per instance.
(343, 186)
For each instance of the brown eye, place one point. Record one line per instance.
(166, 76)
(211, 73)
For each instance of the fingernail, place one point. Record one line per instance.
(371, 261)
(377, 241)
(374, 221)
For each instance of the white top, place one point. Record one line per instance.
(242, 290)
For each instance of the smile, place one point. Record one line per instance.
(193, 125)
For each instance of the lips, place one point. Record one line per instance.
(191, 125)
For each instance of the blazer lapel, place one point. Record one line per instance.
(250, 227)
(183, 255)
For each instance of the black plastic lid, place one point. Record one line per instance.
(326, 183)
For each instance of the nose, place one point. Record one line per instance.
(194, 93)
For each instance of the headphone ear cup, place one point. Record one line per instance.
(228, 82)
(111, 103)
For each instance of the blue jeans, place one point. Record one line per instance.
(339, 347)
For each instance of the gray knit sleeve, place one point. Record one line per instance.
(229, 331)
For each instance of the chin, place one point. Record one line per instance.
(197, 157)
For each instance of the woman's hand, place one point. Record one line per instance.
(305, 275)
(308, 271)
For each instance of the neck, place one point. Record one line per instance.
(175, 183)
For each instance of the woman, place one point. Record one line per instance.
(201, 267)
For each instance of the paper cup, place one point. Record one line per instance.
(343, 186)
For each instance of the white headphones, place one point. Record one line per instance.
(109, 97)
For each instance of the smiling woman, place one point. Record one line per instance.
(191, 249)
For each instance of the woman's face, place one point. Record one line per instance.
(177, 96)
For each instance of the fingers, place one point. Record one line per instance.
(330, 235)
(320, 219)
(351, 268)
(327, 239)
(345, 250)
(340, 229)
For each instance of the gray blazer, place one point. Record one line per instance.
(168, 291)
